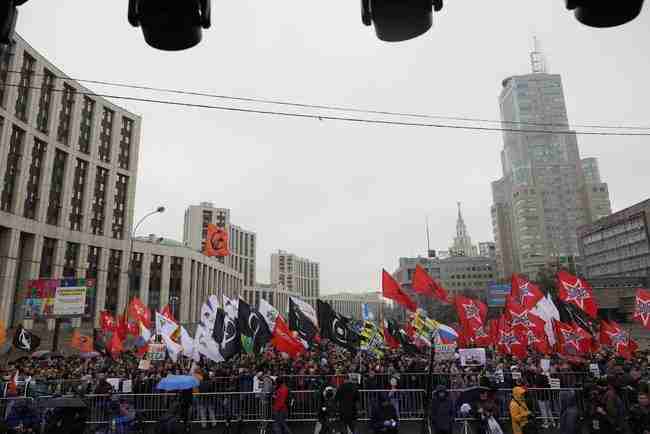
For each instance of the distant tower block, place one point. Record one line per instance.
(537, 59)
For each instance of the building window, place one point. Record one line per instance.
(78, 190)
(113, 280)
(47, 257)
(34, 182)
(94, 256)
(125, 143)
(25, 87)
(5, 65)
(85, 129)
(56, 188)
(12, 173)
(106, 135)
(71, 259)
(45, 102)
(155, 282)
(175, 285)
(119, 211)
(135, 274)
(65, 115)
(99, 201)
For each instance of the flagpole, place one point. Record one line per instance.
(427, 399)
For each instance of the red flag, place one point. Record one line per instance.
(578, 292)
(107, 321)
(472, 313)
(139, 312)
(12, 386)
(115, 345)
(284, 341)
(611, 334)
(424, 284)
(481, 336)
(522, 320)
(464, 340)
(390, 340)
(133, 328)
(512, 342)
(572, 340)
(525, 292)
(122, 328)
(642, 307)
(167, 313)
(391, 289)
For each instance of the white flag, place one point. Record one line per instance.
(546, 309)
(173, 349)
(145, 332)
(165, 326)
(269, 313)
(206, 345)
(187, 342)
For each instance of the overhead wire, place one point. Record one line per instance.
(334, 107)
(322, 117)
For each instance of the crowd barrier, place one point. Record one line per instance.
(406, 380)
(218, 407)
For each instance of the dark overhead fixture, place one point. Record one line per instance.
(8, 17)
(399, 20)
(605, 13)
(170, 25)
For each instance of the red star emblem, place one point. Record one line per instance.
(571, 338)
(577, 293)
(472, 311)
(643, 310)
(520, 319)
(508, 339)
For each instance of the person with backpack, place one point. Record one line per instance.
(522, 418)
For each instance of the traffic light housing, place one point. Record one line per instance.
(605, 13)
(170, 25)
(399, 20)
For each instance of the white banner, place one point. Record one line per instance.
(70, 300)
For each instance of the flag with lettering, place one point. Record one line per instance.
(524, 291)
(572, 340)
(642, 307)
(613, 335)
(578, 292)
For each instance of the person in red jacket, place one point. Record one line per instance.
(280, 408)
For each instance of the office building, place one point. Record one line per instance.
(68, 164)
(487, 249)
(351, 304)
(242, 242)
(546, 191)
(462, 241)
(296, 274)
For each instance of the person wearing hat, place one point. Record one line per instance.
(519, 412)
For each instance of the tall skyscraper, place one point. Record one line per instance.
(546, 191)
(296, 274)
(462, 241)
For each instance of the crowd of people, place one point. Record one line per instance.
(602, 390)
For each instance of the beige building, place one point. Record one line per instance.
(68, 164)
(296, 274)
(242, 243)
(277, 295)
(350, 304)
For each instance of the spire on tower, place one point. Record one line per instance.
(537, 59)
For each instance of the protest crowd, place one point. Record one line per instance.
(510, 374)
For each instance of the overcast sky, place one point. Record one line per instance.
(352, 197)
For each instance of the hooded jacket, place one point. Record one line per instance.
(519, 412)
(442, 410)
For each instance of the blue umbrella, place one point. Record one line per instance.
(178, 382)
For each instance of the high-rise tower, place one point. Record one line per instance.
(462, 242)
(542, 197)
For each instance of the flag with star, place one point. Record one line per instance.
(572, 340)
(512, 342)
(525, 292)
(578, 292)
(472, 313)
(522, 319)
(612, 335)
(642, 307)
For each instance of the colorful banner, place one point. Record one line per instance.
(55, 298)
(372, 339)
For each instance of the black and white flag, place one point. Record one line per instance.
(336, 327)
(226, 329)
(255, 333)
(303, 320)
(26, 340)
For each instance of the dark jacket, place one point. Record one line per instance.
(639, 419)
(569, 413)
(442, 410)
(347, 397)
(382, 412)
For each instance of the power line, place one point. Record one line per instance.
(322, 117)
(335, 108)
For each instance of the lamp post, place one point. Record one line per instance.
(173, 301)
(158, 210)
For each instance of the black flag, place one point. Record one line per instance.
(302, 320)
(226, 330)
(253, 326)
(336, 327)
(26, 340)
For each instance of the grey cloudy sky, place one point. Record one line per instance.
(350, 196)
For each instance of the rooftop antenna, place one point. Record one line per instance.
(537, 60)
(430, 253)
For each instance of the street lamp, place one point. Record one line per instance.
(158, 210)
(173, 301)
